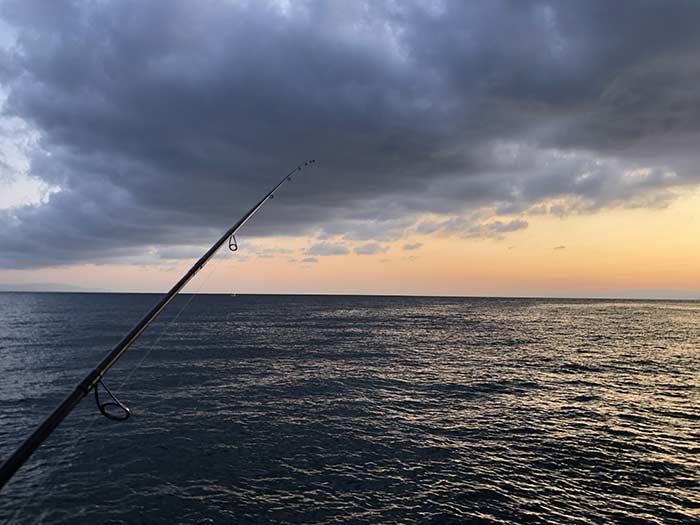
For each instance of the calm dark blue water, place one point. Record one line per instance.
(357, 410)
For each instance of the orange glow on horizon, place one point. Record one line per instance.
(612, 250)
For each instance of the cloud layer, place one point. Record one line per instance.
(161, 122)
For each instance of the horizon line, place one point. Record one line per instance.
(602, 296)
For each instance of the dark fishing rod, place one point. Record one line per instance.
(94, 378)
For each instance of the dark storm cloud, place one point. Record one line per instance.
(163, 121)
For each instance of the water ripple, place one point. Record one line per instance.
(357, 409)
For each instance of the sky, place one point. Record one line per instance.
(507, 148)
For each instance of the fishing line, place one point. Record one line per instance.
(80, 438)
(94, 379)
(126, 413)
(212, 268)
(153, 345)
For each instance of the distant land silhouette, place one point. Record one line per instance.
(42, 287)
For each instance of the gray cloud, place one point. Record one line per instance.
(371, 248)
(413, 246)
(309, 260)
(163, 121)
(471, 227)
(328, 248)
(496, 228)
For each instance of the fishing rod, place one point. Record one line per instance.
(94, 378)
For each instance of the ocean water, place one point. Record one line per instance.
(284, 409)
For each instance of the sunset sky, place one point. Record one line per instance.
(523, 148)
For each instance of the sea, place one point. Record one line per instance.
(351, 409)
